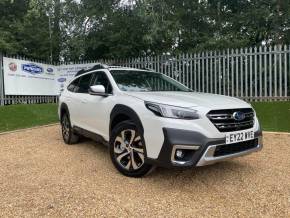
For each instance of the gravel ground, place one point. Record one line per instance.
(41, 176)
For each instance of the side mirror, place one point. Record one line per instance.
(98, 90)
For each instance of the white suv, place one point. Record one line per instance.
(148, 119)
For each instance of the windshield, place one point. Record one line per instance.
(145, 81)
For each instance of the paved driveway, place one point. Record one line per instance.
(41, 176)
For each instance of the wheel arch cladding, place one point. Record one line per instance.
(122, 113)
(63, 109)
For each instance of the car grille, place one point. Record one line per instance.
(225, 122)
(222, 150)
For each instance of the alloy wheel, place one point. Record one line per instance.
(129, 150)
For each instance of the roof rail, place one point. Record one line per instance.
(116, 66)
(96, 67)
(140, 68)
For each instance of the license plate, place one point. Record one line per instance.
(240, 136)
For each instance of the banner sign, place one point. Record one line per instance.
(23, 77)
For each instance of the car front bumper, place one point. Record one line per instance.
(199, 149)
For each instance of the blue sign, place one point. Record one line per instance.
(50, 70)
(32, 68)
(61, 80)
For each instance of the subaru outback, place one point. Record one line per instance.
(148, 119)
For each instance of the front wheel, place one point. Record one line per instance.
(127, 150)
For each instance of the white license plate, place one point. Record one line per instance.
(240, 136)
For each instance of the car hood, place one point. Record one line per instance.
(191, 99)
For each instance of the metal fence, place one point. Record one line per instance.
(253, 74)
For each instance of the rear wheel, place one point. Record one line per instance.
(127, 150)
(69, 137)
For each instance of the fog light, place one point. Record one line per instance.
(179, 154)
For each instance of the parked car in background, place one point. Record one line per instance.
(149, 119)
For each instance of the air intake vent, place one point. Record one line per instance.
(232, 119)
(235, 148)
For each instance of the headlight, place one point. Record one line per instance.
(172, 111)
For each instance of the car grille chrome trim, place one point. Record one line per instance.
(225, 122)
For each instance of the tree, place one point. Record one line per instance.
(11, 15)
(33, 32)
(93, 29)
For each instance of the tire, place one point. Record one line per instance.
(69, 137)
(128, 150)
